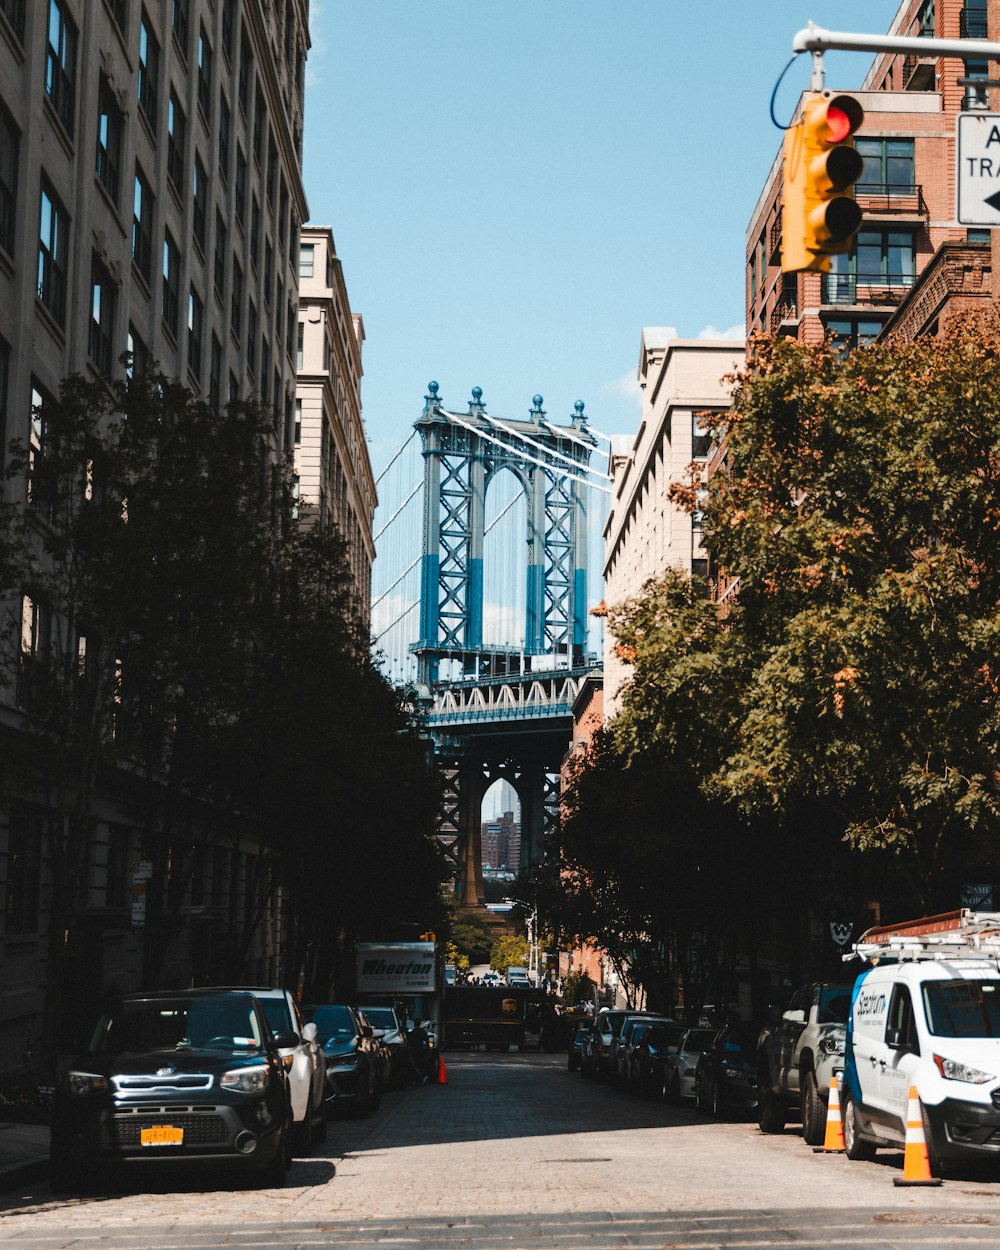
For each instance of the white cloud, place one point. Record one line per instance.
(627, 385)
(734, 332)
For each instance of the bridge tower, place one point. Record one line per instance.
(500, 711)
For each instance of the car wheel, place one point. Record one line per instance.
(937, 1167)
(272, 1174)
(302, 1135)
(854, 1146)
(67, 1173)
(770, 1110)
(813, 1111)
(377, 1095)
(700, 1101)
(320, 1127)
(715, 1100)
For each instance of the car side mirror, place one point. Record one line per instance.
(366, 1030)
(894, 1039)
(309, 1032)
(285, 1041)
(795, 1017)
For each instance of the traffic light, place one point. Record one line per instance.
(820, 216)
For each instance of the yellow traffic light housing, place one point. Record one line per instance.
(820, 216)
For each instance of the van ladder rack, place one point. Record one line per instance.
(962, 934)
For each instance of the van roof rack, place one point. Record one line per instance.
(962, 934)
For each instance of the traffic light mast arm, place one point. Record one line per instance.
(816, 39)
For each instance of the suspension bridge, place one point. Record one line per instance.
(481, 592)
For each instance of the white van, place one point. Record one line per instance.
(930, 1019)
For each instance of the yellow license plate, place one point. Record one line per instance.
(162, 1135)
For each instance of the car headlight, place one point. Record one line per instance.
(832, 1045)
(246, 1080)
(85, 1082)
(952, 1070)
(337, 1060)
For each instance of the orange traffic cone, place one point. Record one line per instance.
(916, 1164)
(833, 1143)
(442, 1071)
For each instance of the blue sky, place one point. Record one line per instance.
(517, 187)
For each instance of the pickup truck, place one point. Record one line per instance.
(797, 1056)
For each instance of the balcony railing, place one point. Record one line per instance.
(774, 242)
(860, 288)
(892, 197)
(972, 23)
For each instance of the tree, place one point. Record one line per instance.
(509, 951)
(471, 937)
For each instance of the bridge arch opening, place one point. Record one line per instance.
(501, 838)
(505, 561)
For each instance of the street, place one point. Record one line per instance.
(516, 1152)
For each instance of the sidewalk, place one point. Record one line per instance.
(24, 1153)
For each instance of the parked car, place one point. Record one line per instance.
(726, 1076)
(354, 1073)
(595, 1057)
(650, 1053)
(680, 1067)
(189, 1078)
(304, 1060)
(798, 1056)
(621, 1033)
(389, 1029)
(632, 1034)
(582, 1026)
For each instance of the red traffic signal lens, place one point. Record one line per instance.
(839, 124)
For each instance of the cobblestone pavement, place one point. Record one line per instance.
(516, 1152)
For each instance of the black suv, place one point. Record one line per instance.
(190, 1077)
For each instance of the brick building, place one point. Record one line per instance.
(912, 265)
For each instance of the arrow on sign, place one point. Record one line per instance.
(994, 200)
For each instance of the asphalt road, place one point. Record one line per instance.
(516, 1152)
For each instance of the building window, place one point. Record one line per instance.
(234, 388)
(102, 317)
(280, 226)
(215, 374)
(4, 389)
(236, 303)
(925, 20)
(138, 354)
(272, 171)
(199, 200)
(300, 348)
(179, 22)
(259, 124)
(196, 330)
(246, 72)
(252, 341)
(265, 366)
(36, 440)
(291, 321)
(149, 70)
(142, 225)
(176, 129)
(701, 439)
(204, 74)
(110, 127)
(25, 835)
(973, 20)
(10, 146)
(228, 28)
(847, 333)
(53, 232)
(306, 260)
(255, 233)
(171, 284)
(119, 11)
(268, 272)
(13, 11)
(225, 120)
(976, 95)
(298, 423)
(881, 260)
(976, 235)
(887, 166)
(221, 240)
(240, 201)
(60, 62)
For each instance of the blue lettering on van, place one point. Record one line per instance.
(870, 1004)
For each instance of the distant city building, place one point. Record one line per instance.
(501, 841)
(645, 533)
(332, 465)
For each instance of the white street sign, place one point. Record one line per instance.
(978, 152)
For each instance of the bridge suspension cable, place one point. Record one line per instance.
(543, 464)
(549, 451)
(398, 452)
(416, 490)
(409, 569)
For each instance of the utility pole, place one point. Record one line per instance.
(815, 39)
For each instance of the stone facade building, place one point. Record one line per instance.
(150, 200)
(645, 533)
(332, 464)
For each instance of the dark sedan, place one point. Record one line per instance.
(651, 1047)
(726, 1080)
(384, 1020)
(191, 1078)
(354, 1074)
